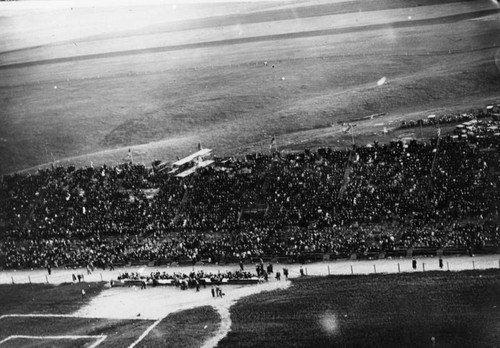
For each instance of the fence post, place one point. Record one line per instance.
(12, 280)
(399, 268)
(306, 270)
(328, 269)
(448, 265)
(29, 278)
(101, 276)
(47, 279)
(423, 266)
(473, 265)
(374, 269)
(352, 271)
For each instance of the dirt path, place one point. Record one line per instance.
(224, 328)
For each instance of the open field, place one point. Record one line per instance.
(81, 83)
(58, 303)
(189, 328)
(69, 331)
(455, 309)
(459, 309)
(41, 315)
(182, 329)
(46, 298)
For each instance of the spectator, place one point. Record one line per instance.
(368, 200)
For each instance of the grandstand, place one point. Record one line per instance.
(366, 202)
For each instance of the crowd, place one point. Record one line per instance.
(387, 197)
(191, 280)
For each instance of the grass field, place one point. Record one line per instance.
(186, 329)
(46, 298)
(38, 315)
(86, 83)
(458, 309)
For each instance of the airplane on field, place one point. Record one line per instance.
(188, 165)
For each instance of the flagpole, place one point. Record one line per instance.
(130, 156)
(273, 142)
(352, 133)
(46, 153)
(435, 153)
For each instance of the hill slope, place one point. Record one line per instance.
(85, 84)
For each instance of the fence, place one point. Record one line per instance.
(60, 276)
(399, 266)
(344, 267)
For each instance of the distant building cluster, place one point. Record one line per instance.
(491, 111)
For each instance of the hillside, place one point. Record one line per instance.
(82, 82)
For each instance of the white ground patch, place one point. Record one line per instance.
(156, 303)
(329, 323)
